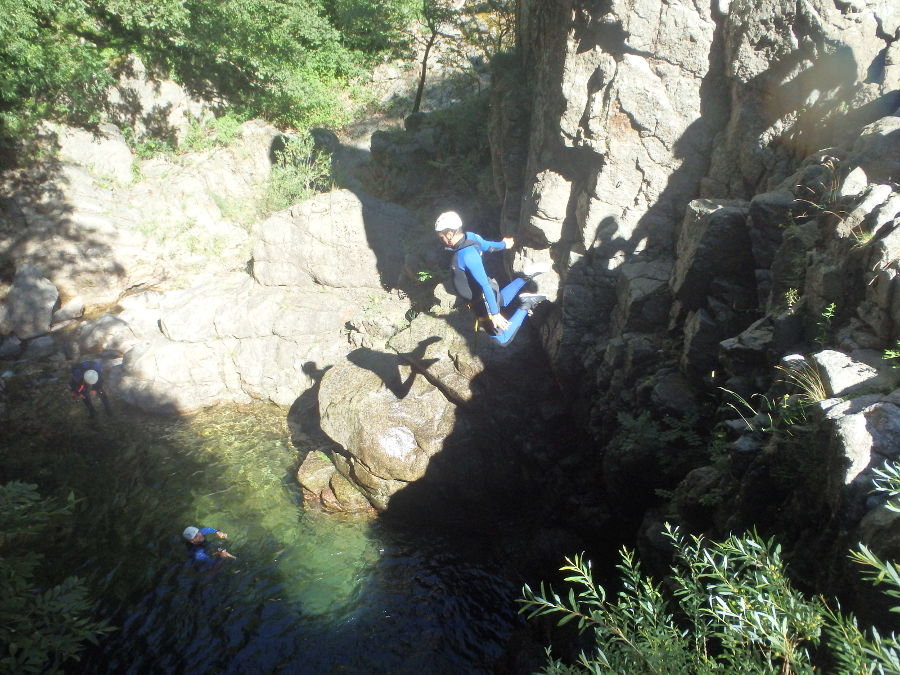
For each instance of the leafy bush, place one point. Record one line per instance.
(46, 69)
(300, 172)
(41, 627)
(464, 147)
(373, 26)
(732, 609)
(281, 60)
(209, 133)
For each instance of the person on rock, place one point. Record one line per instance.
(87, 379)
(471, 282)
(196, 543)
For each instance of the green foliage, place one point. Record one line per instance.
(873, 653)
(300, 172)
(214, 132)
(732, 610)
(744, 616)
(373, 26)
(646, 431)
(887, 482)
(465, 147)
(284, 61)
(488, 26)
(768, 415)
(824, 329)
(893, 354)
(46, 68)
(40, 627)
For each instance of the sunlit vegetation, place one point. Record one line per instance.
(727, 606)
(43, 624)
(289, 62)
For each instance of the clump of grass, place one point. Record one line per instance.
(773, 415)
(804, 376)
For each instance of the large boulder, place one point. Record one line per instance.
(339, 240)
(713, 246)
(390, 420)
(229, 341)
(28, 306)
(104, 150)
(844, 375)
(643, 297)
(153, 107)
(877, 150)
(858, 433)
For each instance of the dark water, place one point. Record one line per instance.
(308, 593)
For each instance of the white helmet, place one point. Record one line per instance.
(91, 376)
(449, 220)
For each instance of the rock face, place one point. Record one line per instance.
(716, 187)
(629, 100)
(150, 106)
(28, 307)
(228, 341)
(187, 309)
(96, 235)
(103, 152)
(338, 240)
(237, 338)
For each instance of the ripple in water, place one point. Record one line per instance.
(308, 593)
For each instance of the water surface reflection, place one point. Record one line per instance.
(309, 593)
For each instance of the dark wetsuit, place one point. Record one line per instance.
(82, 389)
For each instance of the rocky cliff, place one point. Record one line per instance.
(716, 187)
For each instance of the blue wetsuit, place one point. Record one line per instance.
(468, 259)
(198, 551)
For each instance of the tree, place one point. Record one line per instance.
(373, 26)
(41, 627)
(285, 61)
(435, 13)
(475, 31)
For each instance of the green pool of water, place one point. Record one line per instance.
(308, 592)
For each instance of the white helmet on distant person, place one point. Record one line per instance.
(449, 220)
(91, 376)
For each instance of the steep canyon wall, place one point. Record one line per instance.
(716, 187)
(636, 108)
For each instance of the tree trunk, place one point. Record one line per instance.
(421, 87)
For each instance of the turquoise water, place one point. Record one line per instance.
(308, 593)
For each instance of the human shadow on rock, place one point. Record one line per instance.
(304, 419)
(387, 365)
